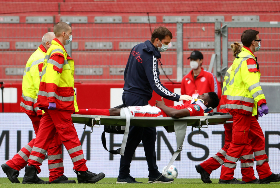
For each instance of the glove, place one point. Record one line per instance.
(263, 109)
(185, 97)
(52, 106)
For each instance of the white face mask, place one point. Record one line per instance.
(163, 48)
(69, 40)
(194, 64)
(257, 48)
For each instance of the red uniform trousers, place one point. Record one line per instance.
(258, 144)
(55, 162)
(60, 123)
(217, 160)
(243, 146)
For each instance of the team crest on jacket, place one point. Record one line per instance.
(202, 79)
(197, 107)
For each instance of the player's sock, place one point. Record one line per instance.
(93, 111)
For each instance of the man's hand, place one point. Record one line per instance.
(263, 109)
(52, 106)
(185, 97)
(160, 103)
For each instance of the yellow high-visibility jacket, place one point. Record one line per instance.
(31, 82)
(242, 92)
(57, 83)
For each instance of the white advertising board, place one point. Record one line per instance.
(16, 130)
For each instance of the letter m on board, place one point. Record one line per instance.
(5, 134)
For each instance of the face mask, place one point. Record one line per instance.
(258, 47)
(194, 64)
(69, 40)
(163, 48)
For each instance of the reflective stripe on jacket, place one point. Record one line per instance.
(57, 82)
(31, 82)
(242, 92)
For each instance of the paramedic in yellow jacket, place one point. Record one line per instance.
(57, 98)
(244, 100)
(30, 88)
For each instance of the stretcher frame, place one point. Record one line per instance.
(179, 126)
(167, 122)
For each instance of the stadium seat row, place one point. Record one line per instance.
(154, 18)
(115, 73)
(123, 45)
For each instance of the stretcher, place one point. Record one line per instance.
(179, 126)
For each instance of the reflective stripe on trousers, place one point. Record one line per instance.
(73, 150)
(260, 162)
(230, 165)
(246, 165)
(35, 158)
(26, 107)
(22, 154)
(56, 165)
(221, 161)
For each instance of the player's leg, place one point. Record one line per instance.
(94, 111)
(68, 135)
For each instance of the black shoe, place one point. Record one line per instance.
(128, 179)
(160, 179)
(30, 176)
(89, 177)
(256, 181)
(205, 177)
(11, 173)
(271, 178)
(63, 179)
(233, 181)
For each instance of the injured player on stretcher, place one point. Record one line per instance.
(197, 107)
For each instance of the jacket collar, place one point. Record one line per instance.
(190, 75)
(57, 41)
(150, 48)
(248, 50)
(43, 48)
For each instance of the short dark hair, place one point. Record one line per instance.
(60, 27)
(214, 100)
(160, 33)
(248, 36)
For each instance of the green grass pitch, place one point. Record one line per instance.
(111, 182)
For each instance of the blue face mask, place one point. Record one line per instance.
(69, 40)
(258, 47)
